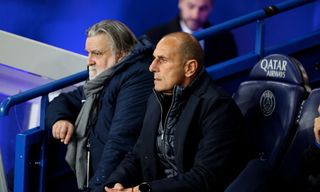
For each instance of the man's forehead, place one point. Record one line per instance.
(97, 41)
(172, 41)
(166, 46)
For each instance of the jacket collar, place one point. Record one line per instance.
(183, 92)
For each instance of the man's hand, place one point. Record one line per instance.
(63, 130)
(316, 127)
(119, 188)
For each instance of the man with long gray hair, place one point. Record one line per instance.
(101, 120)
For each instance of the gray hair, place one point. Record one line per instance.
(121, 37)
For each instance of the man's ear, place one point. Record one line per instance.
(119, 56)
(190, 68)
(179, 4)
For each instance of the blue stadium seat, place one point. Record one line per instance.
(257, 176)
(289, 168)
(270, 102)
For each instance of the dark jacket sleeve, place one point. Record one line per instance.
(228, 46)
(219, 48)
(66, 106)
(310, 169)
(156, 33)
(128, 173)
(125, 126)
(218, 158)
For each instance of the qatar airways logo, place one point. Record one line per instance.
(274, 67)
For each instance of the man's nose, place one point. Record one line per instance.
(152, 66)
(90, 61)
(195, 13)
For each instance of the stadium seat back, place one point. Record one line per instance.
(289, 168)
(270, 102)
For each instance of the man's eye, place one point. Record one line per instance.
(162, 60)
(96, 53)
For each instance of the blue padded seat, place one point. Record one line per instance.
(304, 137)
(270, 102)
(257, 176)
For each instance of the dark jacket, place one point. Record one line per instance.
(120, 113)
(208, 144)
(217, 48)
(310, 169)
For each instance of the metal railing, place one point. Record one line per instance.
(245, 62)
(215, 70)
(43, 90)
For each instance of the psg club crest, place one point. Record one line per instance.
(267, 103)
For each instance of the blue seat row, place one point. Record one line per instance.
(279, 108)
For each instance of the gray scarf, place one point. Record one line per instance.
(76, 155)
(3, 184)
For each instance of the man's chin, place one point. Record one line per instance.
(193, 26)
(92, 75)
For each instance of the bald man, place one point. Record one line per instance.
(192, 133)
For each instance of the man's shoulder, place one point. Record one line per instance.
(157, 32)
(169, 26)
(208, 90)
(138, 60)
(222, 36)
(138, 69)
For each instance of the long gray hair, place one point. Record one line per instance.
(121, 37)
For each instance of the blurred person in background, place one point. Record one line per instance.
(193, 17)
